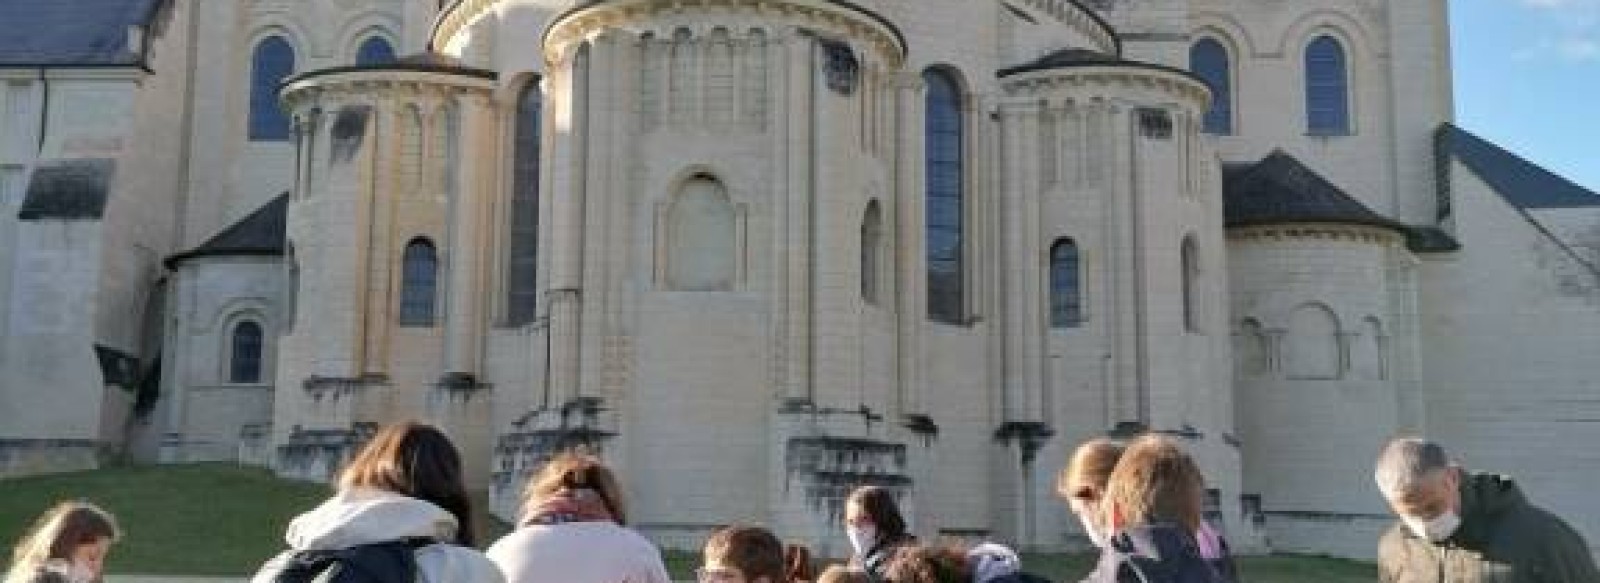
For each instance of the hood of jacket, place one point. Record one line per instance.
(1160, 541)
(1483, 498)
(358, 517)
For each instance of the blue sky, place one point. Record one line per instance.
(1527, 76)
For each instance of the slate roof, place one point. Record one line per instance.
(1280, 189)
(71, 32)
(263, 232)
(1521, 182)
(1066, 58)
(68, 190)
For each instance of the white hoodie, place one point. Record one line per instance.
(358, 517)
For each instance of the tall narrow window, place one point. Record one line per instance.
(375, 51)
(522, 291)
(1208, 59)
(1327, 88)
(702, 229)
(946, 173)
(244, 361)
(872, 254)
(1066, 296)
(272, 62)
(419, 283)
(1191, 284)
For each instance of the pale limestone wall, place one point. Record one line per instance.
(1394, 54)
(1510, 323)
(229, 175)
(205, 415)
(1318, 374)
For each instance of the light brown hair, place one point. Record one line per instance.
(797, 563)
(1156, 481)
(417, 461)
(575, 470)
(1089, 470)
(57, 533)
(921, 564)
(755, 551)
(843, 574)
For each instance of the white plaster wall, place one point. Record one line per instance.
(1510, 327)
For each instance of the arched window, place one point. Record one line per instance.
(419, 283)
(522, 274)
(272, 62)
(375, 51)
(1327, 88)
(946, 173)
(1191, 284)
(1066, 295)
(702, 227)
(1313, 345)
(244, 361)
(872, 254)
(1208, 59)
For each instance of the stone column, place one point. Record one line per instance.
(466, 256)
(911, 298)
(565, 296)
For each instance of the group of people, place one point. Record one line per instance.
(401, 513)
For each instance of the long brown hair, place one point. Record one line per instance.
(57, 533)
(879, 505)
(418, 461)
(1156, 481)
(575, 470)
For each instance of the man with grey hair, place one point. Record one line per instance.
(1458, 527)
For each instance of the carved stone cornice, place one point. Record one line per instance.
(1111, 83)
(1323, 231)
(828, 17)
(372, 86)
(1082, 19)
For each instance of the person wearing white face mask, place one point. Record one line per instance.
(876, 529)
(1457, 526)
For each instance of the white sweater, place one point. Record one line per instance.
(360, 517)
(578, 552)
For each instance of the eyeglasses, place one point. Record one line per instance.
(722, 575)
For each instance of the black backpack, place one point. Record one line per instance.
(385, 562)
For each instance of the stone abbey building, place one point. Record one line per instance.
(757, 252)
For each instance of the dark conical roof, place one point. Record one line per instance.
(263, 232)
(1280, 189)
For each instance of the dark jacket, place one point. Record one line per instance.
(1502, 539)
(876, 560)
(1158, 553)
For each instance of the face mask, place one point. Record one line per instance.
(861, 537)
(1436, 530)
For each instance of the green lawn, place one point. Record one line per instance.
(202, 519)
(221, 519)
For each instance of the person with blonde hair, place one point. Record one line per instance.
(573, 529)
(67, 544)
(1083, 484)
(1151, 511)
(401, 513)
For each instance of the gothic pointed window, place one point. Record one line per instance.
(271, 63)
(1208, 59)
(1327, 88)
(375, 51)
(945, 168)
(244, 359)
(419, 283)
(522, 273)
(1066, 295)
